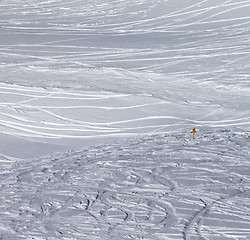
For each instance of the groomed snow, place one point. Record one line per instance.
(98, 100)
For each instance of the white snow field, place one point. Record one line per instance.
(98, 100)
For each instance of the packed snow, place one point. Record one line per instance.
(98, 100)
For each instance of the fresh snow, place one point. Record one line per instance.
(98, 100)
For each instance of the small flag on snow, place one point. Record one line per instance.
(193, 131)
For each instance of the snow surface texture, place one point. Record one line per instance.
(125, 82)
(158, 187)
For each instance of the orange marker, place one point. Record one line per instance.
(193, 131)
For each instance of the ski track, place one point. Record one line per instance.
(73, 72)
(141, 189)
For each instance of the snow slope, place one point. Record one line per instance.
(125, 82)
(79, 69)
(157, 187)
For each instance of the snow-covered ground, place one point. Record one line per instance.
(98, 99)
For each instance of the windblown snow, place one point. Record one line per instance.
(98, 100)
